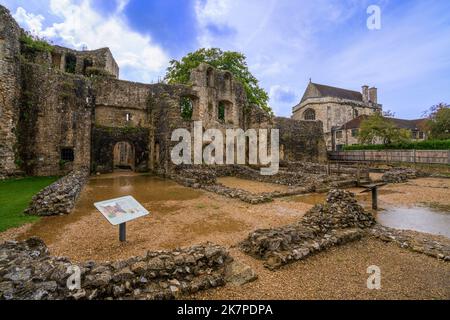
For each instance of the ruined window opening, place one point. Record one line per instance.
(128, 117)
(221, 111)
(56, 60)
(209, 78)
(339, 134)
(87, 63)
(71, 63)
(309, 114)
(227, 79)
(186, 108)
(67, 154)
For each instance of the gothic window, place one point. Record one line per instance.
(67, 154)
(186, 108)
(309, 114)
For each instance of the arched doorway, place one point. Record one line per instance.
(124, 156)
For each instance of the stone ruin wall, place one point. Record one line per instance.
(9, 91)
(88, 114)
(56, 111)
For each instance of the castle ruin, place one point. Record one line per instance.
(61, 109)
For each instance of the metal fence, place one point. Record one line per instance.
(410, 156)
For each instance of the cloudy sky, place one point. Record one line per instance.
(286, 41)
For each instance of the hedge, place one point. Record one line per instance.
(421, 145)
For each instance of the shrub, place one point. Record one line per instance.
(421, 145)
(93, 71)
(32, 44)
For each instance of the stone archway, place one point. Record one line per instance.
(124, 157)
(114, 148)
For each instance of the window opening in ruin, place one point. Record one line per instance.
(67, 154)
(227, 82)
(71, 63)
(221, 111)
(87, 63)
(309, 114)
(186, 108)
(128, 117)
(56, 60)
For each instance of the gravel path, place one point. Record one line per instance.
(340, 273)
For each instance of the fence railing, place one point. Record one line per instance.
(410, 156)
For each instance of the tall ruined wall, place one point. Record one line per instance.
(55, 114)
(9, 91)
(301, 140)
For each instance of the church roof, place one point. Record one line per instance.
(315, 90)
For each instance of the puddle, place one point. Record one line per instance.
(422, 219)
(149, 190)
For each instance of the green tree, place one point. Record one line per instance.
(378, 128)
(438, 124)
(234, 62)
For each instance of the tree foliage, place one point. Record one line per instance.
(377, 128)
(234, 62)
(438, 124)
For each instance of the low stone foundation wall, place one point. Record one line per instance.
(205, 177)
(339, 221)
(399, 175)
(433, 246)
(59, 198)
(27, 271)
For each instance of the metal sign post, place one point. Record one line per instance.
(123, 232)
(121, 210)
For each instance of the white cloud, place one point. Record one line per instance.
(136, 54)
(287, 42)
(29, 21)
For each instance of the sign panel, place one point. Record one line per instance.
(121, 210)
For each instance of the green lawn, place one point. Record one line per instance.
(15, 195)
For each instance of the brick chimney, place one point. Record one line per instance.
(373, 95)
(365, 93)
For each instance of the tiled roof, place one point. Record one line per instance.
(315, 90)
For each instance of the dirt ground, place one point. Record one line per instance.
(251, 186)
(341, 273)
(182, 217)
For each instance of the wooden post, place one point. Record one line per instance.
(358, 175)
(375, 198)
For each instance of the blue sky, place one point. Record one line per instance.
(286, 41)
